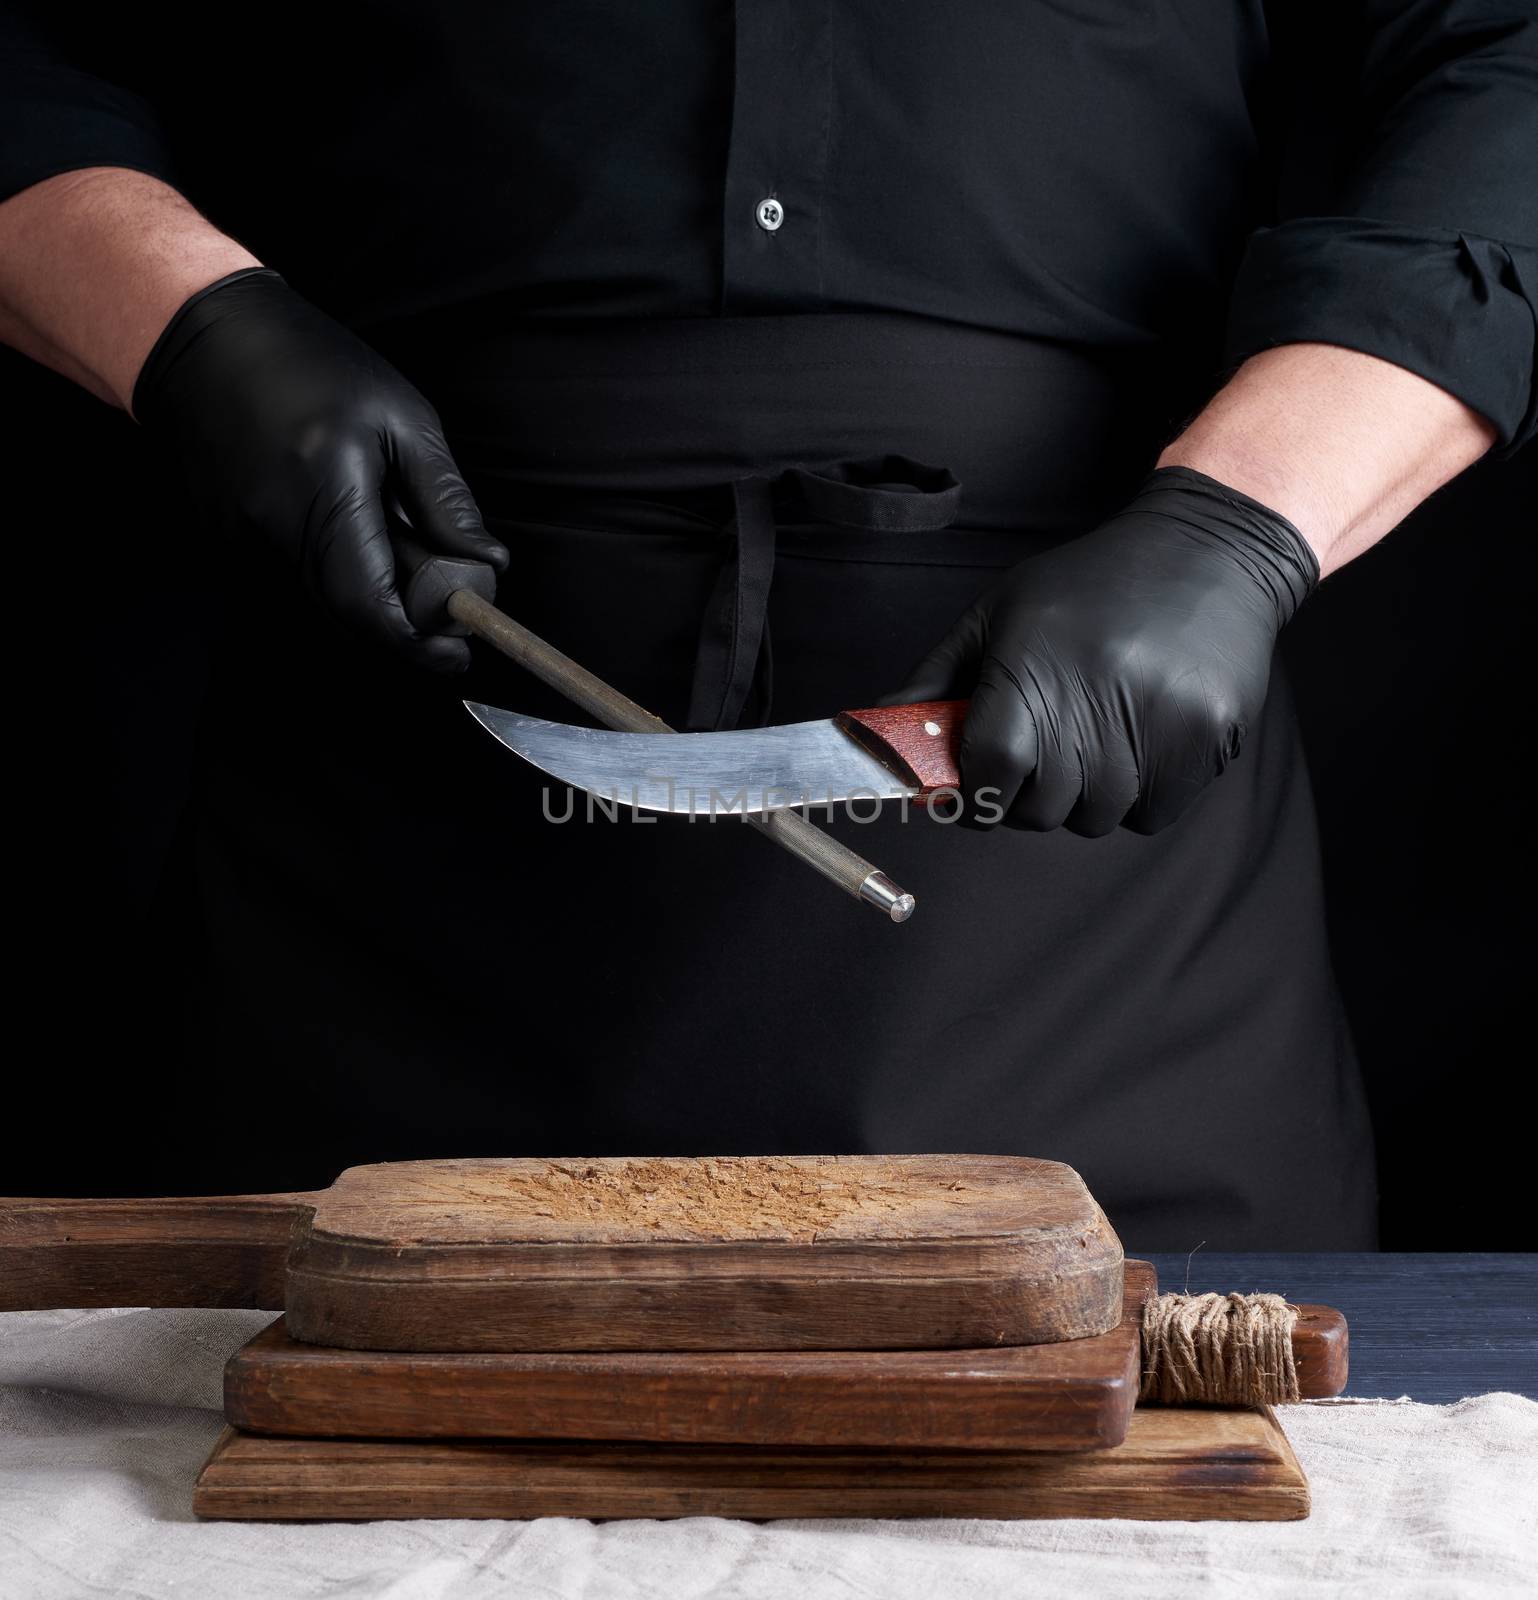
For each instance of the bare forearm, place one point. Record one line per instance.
(94, 264)
(1342, 444)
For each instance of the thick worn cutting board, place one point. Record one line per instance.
(1174, 1464)
(707, 1253)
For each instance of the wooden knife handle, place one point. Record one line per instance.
(1321, 1352)
(920, 743)
(219, 1250)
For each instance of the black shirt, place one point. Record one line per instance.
(1101, 172)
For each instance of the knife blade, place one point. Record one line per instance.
(883, 753)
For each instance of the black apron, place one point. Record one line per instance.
(734, 520)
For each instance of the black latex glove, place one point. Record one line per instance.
(288, 425)
(1113, 677)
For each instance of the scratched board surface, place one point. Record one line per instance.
(631, 1199)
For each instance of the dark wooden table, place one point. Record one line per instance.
(1434, 1327)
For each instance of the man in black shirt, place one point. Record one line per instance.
(643, 262)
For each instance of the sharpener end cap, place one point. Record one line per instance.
(878, 890)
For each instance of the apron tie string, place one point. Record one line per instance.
(733, 667)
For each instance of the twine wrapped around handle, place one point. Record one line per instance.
(1218, 1349)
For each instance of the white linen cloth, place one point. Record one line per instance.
(106, 1416)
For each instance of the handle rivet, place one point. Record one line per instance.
(931, 728)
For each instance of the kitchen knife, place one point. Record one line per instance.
(858, 758)
(442, 593)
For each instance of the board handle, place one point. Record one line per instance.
(211, 1250)
(921, 743)
(1320, 1352)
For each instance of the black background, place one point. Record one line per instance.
(1411, 668)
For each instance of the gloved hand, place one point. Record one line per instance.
(288, 425)
(1113, 677)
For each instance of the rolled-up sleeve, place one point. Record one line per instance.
(56, 116)
(1430, 256)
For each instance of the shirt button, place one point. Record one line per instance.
(769, 215)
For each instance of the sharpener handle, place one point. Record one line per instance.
(425, 583)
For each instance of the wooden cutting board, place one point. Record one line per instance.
(1074, 1395)
(624, 1253)
(1183, 1465)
